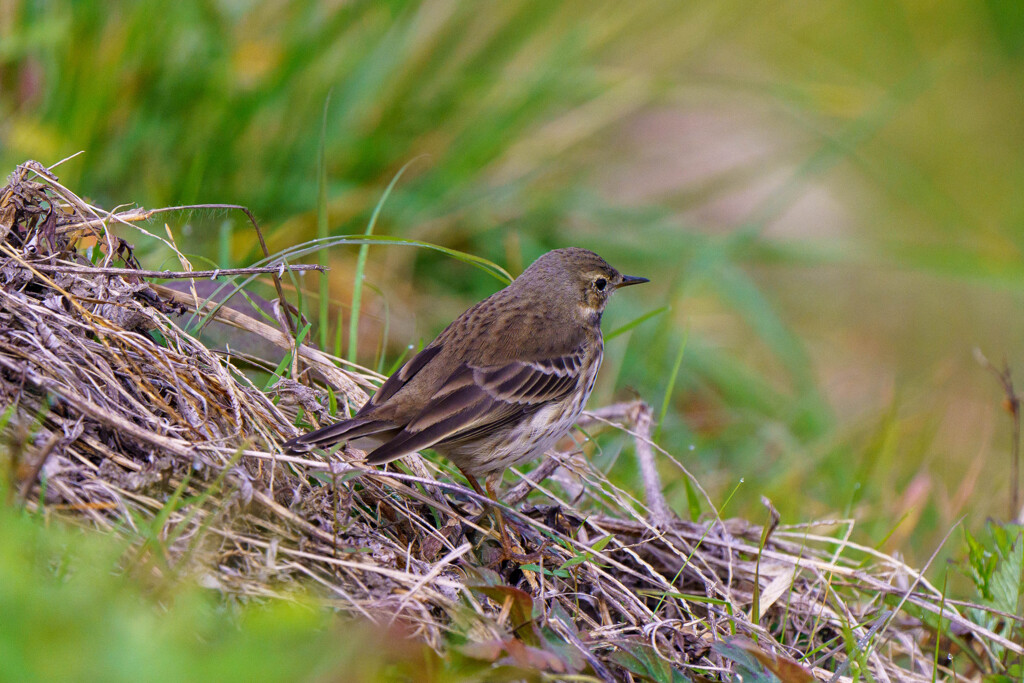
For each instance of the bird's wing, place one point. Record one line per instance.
(475, 400)
(402, 377)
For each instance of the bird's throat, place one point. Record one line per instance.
(590, 315)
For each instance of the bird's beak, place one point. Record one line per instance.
(628, 280)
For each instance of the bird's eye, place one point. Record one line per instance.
(600, 283)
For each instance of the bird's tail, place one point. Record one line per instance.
(339, 432)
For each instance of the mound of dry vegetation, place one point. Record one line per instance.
(114, 415)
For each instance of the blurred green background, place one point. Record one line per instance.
(826, 196)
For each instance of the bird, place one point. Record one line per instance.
(504, 382)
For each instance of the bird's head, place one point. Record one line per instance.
(576, 278)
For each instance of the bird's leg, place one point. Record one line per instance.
(489, 493)
(507, 548)
(506, 543)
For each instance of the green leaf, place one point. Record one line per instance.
(640, 659)
(1006, 587)
(547, 571)
(758, 666)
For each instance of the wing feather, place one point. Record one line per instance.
(532, 382)
(399, 379)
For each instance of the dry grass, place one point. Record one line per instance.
(121, 418)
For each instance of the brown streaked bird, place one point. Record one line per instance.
(502, 383)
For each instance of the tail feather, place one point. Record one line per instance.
(339, 432)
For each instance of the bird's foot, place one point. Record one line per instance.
(512, 552)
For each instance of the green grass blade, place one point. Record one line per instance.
(321, 225)
(357, 287)
(338, 330)
(489, 267)
(673, 375)
(635, 322)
